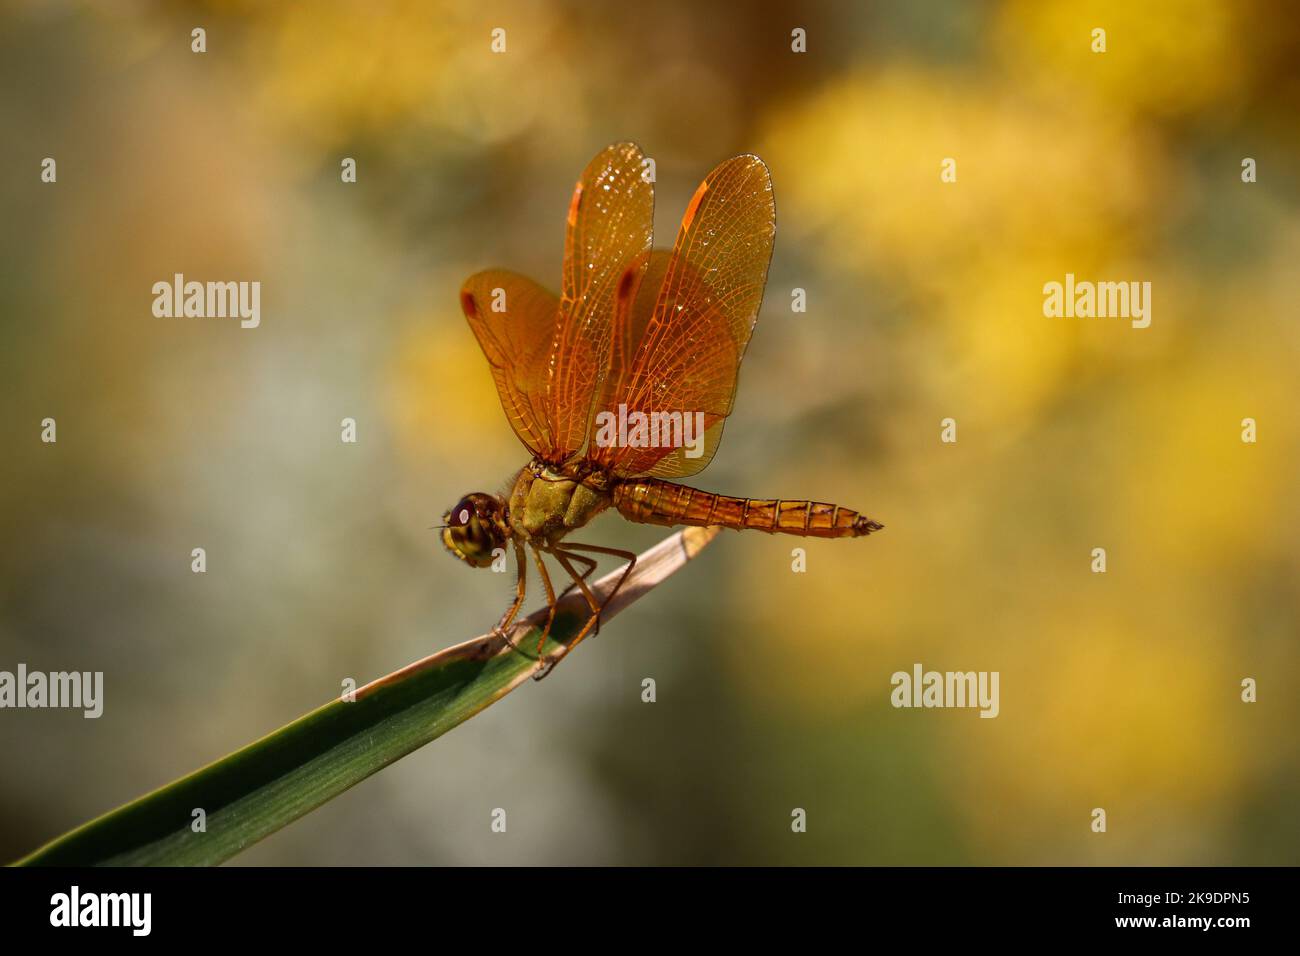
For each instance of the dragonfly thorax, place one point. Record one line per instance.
(546, 504)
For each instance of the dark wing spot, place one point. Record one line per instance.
(468, 305)
(626, 282)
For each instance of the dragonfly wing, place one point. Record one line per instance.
(513, 319)
(632, 314)
(687, 359)
(549, 356)
(610, 229)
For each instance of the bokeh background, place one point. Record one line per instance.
(1119, 690)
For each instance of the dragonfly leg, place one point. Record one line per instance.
(564, 554)
(502, 629)
(579, 580)
(628, 556)
(550, 601)
(591, 566)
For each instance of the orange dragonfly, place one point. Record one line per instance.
(626, 380)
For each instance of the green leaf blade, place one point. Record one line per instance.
(268, 784)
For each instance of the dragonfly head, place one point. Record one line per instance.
(474, 528)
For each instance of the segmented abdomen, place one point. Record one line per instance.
(651, 501)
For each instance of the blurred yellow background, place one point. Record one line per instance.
(1118, 690)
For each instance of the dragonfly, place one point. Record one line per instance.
(624, 382)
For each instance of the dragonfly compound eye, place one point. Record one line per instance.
(469, 532)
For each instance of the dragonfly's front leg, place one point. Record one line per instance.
(502, 629)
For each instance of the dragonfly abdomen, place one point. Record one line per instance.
(653, 501)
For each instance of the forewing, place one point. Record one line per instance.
(633, 309)
(607, 246)
(688, 357)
